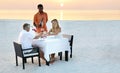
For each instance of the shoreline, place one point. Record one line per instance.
(63, 14)
(59, 20)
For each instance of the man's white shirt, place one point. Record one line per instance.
(25, 39)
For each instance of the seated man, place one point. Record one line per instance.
(26, 38)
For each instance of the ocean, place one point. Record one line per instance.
(63, 14)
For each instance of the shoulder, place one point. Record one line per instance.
(36, 13)
(45, 13)
(59, 28)
(24, 32)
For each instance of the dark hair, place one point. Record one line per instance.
(40, 6)
(25, 25)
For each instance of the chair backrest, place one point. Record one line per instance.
(70, 38)
(71, 41)
(18, 49)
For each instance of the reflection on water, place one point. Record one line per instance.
(63, 14)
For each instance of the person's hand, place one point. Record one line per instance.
(44, 35)
(34, 30)
(40, 34)
(42, 29)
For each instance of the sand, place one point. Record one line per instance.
(96, 48)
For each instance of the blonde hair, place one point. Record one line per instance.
(57, 23)
(57, 27)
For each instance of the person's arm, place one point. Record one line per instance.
(35, 22)
(58, 31)
(46, 17)
(49, 31)
(38, 35)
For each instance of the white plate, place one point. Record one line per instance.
(51, 36)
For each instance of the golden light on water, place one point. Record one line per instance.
(63, 14)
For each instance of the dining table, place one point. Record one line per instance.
(55, 44)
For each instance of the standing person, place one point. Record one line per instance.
(40, 19)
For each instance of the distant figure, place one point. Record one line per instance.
(40, 19)
(55, 30)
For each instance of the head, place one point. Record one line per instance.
(40, 8)
(55, 23)
(26, 27)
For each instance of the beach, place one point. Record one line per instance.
(96, 47)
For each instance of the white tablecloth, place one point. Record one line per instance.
(55, 45)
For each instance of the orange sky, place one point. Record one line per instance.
(61, 4)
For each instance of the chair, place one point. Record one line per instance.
(24, 54)
(70, 38)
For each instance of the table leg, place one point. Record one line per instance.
(60, 54)
(47, 63)
(66, 55)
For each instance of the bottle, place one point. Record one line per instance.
(41, 22)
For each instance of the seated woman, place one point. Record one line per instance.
(55, 30)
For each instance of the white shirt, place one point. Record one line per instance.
(25, 39)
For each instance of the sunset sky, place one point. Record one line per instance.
(61, 4)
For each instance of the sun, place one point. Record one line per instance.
(61, 4)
